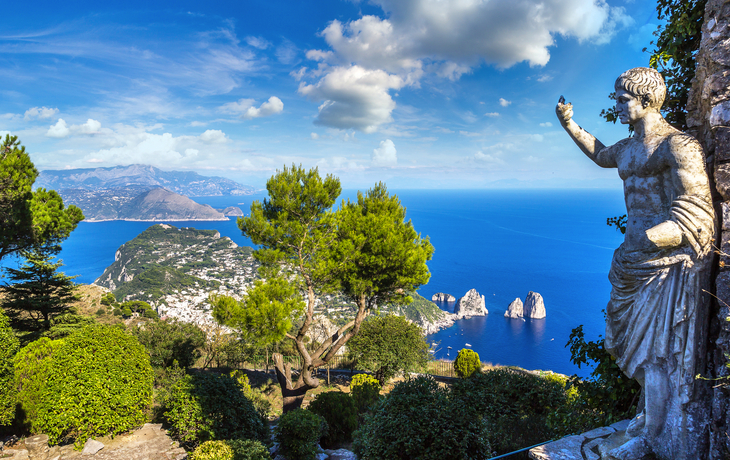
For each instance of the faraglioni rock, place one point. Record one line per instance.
(534, 306)
(442, 297)
(515, 309)
(472, 304)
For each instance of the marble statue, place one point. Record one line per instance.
(656, 316)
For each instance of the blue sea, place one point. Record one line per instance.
(503, 243)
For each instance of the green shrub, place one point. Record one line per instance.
(298, 432)
(233, 449)
(420, 420)
(32, 367)
(99, 383)
(8, 348)
(257, 397)
(467, 363)
(168, 341)
(208, 406)
(515, 403)
(365, 391)
(340, 413)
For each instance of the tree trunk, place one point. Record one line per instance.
(292, 393)
(708, 119)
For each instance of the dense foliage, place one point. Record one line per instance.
(298, 432)
(37, 293)
(418, 419)
(232, 449)
(32, 368)
(339, 411)
(206, 406)
(29, 219)
(98, 383)
(467, 363)
(170, 341)
(365, 391)
(516, 405)
(388, 345)
(8, 348)
(607, 397)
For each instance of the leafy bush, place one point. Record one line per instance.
(66, 324)
(168, 341)
(387, 345)
(257, 398)
(418, 419)
(32, 367)
(607, 397)
(298, 432)
(99, 383)
(467, 363)
(8, 347)
(208, 406)
(340, 413)
(365, 391)
(515, 404)
(232, 449)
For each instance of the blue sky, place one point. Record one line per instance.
(416, 93)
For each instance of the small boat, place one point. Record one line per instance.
(467, 344)
(450, 347)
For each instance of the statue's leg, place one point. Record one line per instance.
(656, 392)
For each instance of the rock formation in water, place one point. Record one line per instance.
(472, 304)
(443, 297)
(515, 309)
(534, 306)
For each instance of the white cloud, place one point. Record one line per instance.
(258, 42)
(468, 32)
(504, 102)
(287, 52)
(245, 109)
(40, 113)
(315, 136)
(90, 127)
(197, 124)
(353, 98)
(384, 155)
(491, 114)
(544, 77)
(59, 130)
(213, 136)
(482, 157)
(547, 124)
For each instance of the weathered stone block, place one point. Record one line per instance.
(37, 445)
(91, 447)
(722, 181)
(563, 449)
(722, 144)
(601, 432)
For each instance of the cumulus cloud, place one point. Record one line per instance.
(353, 97)
(482, 157)
(504, 102)
(40, 113)
(245, 108)
(547, 124)
(446, 39)
(315, 136)
(213, 136)
(59, 130)
(384, 155)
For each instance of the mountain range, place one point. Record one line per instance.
(141, 192)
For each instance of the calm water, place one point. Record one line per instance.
(502, 243)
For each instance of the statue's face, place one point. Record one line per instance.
(629, 108)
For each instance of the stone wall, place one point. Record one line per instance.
(709, 121)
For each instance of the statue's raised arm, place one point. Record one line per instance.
(592, 147)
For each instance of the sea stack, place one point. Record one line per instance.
(472, 304)
(515, 309)
(442, 297)
(534, 306)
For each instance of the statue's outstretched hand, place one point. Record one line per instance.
(564, 111)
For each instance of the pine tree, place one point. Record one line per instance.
(37, 293)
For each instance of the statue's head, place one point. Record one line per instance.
(644, 83)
